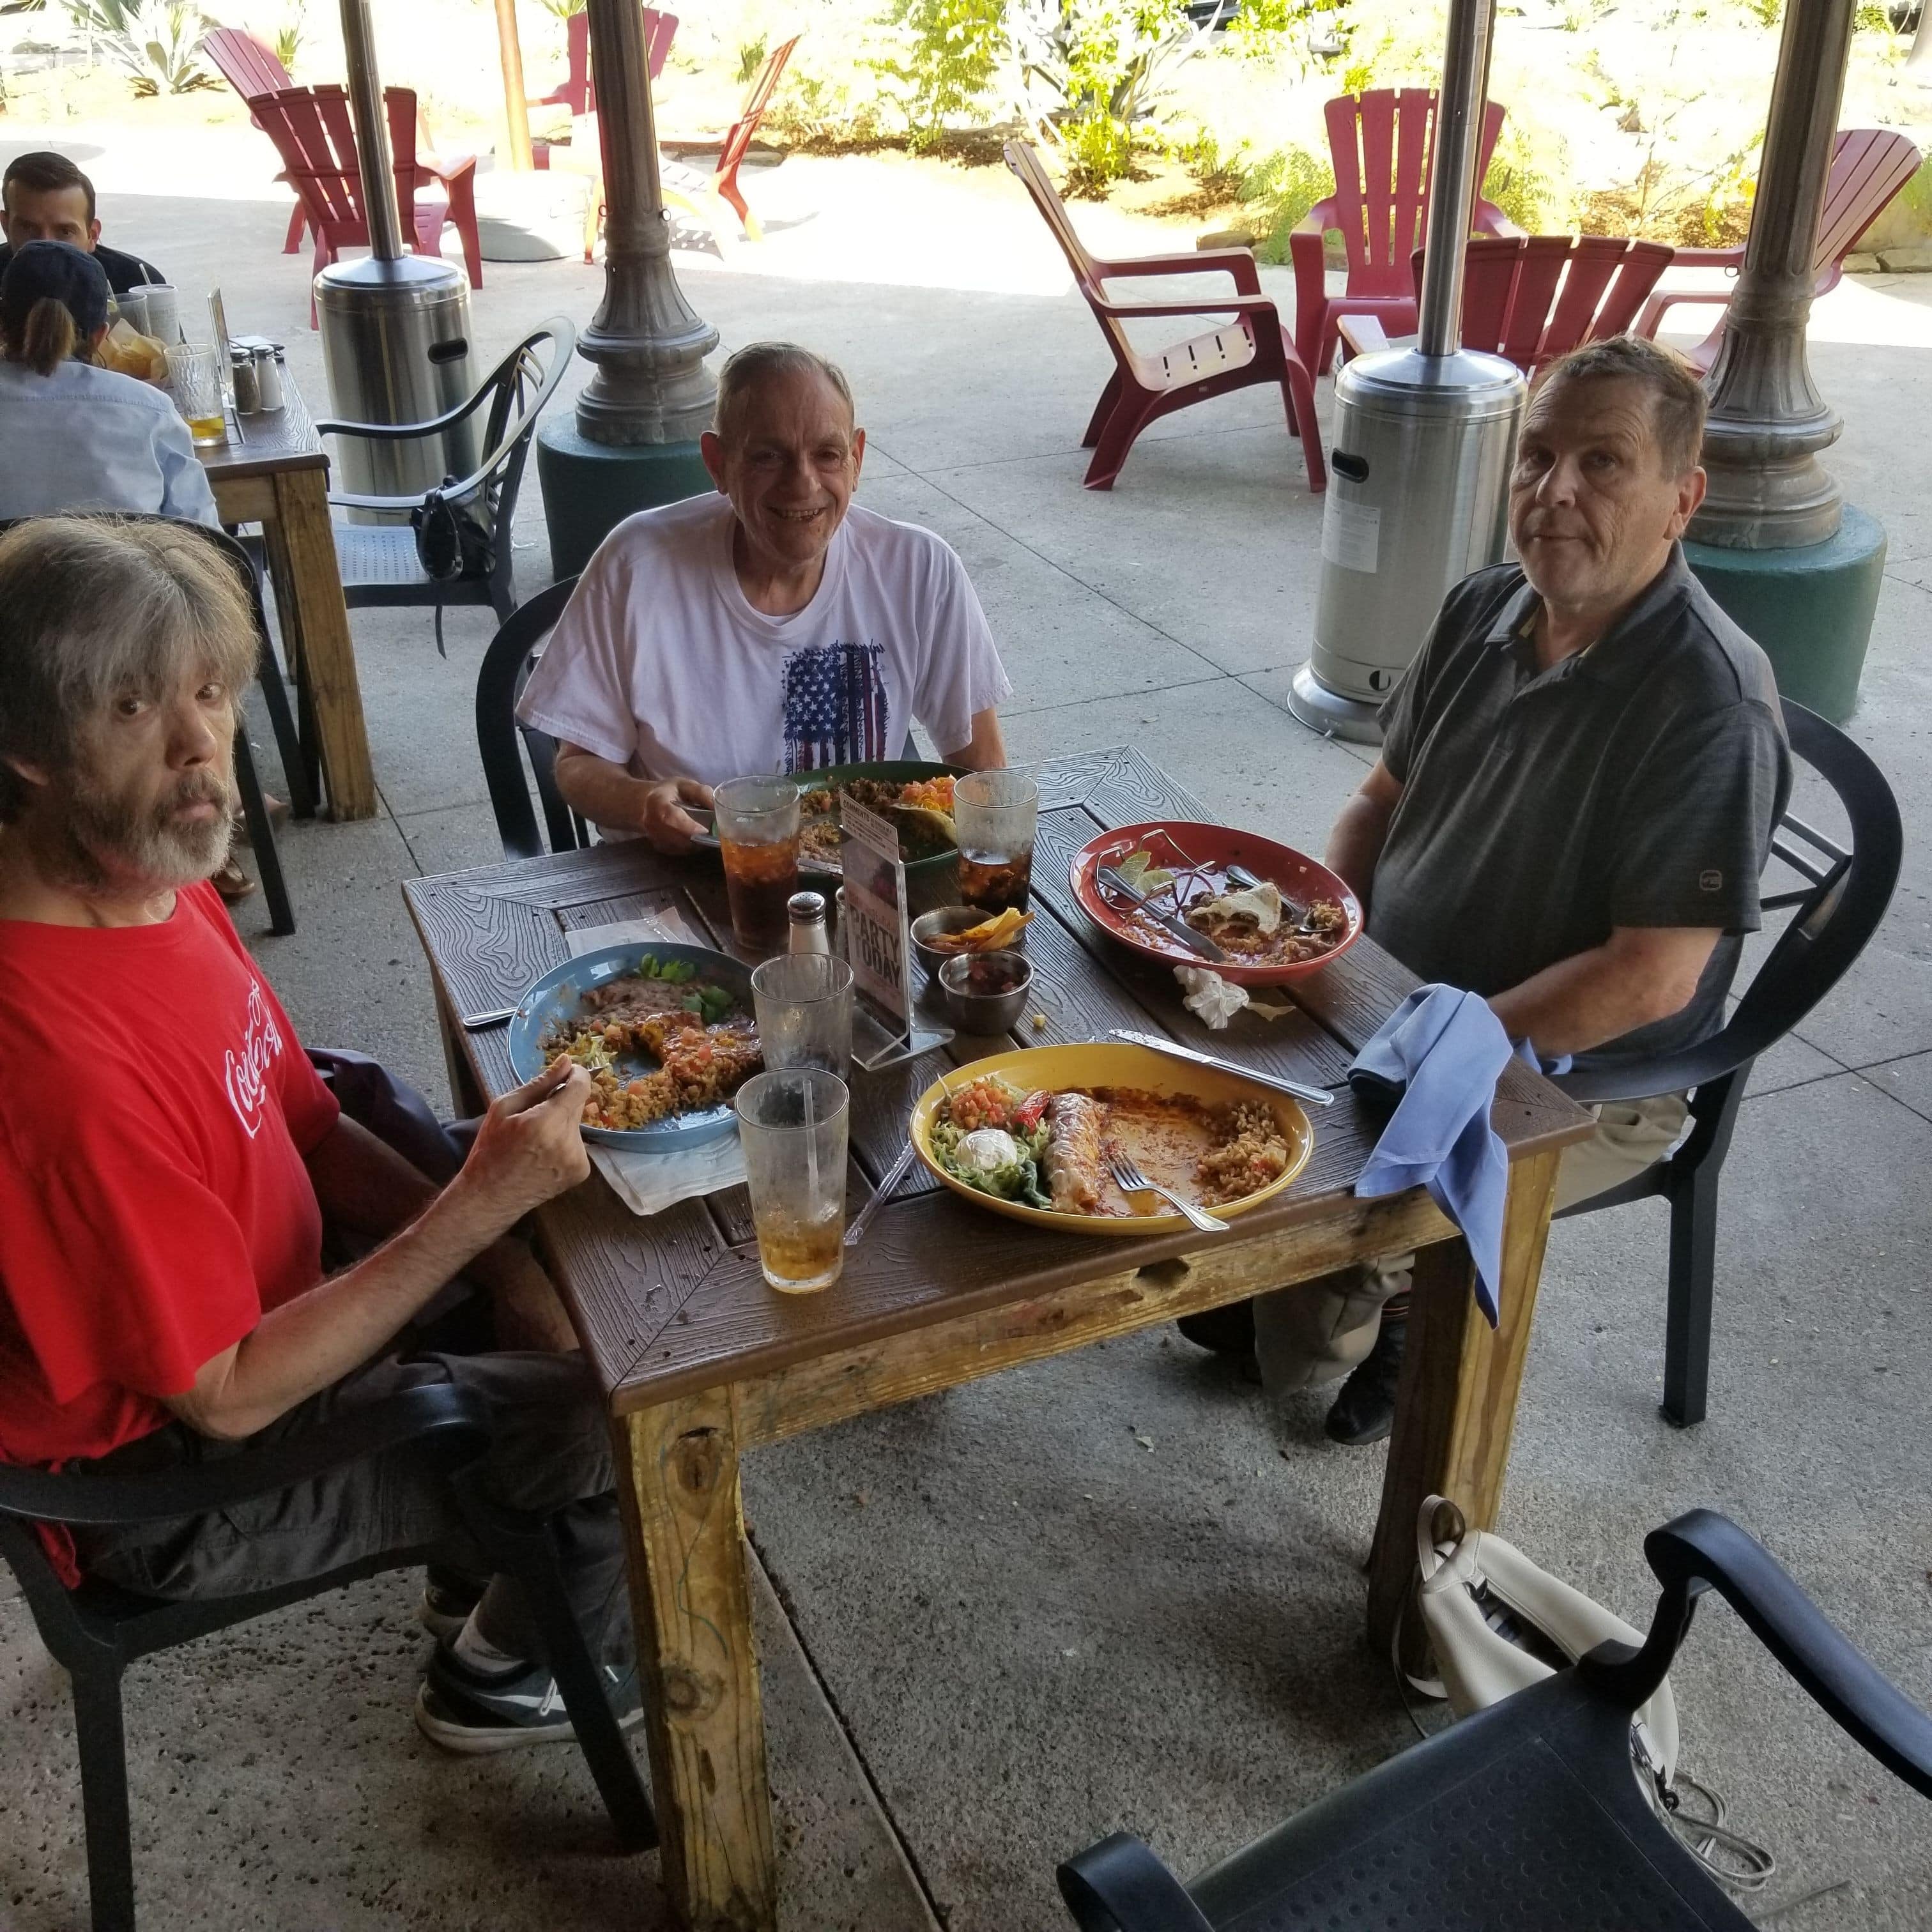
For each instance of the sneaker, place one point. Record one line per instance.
(1364, 1411)
(446, 1606)
(464, 1712)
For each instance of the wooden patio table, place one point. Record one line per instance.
(277, 475)
(700, 1361)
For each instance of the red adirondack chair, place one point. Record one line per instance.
(1533, 297)
(1252, 348)
(1869, 166)
(1381, 144)
(312, 131)
(723, 185)
(579, 92)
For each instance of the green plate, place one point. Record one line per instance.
(888, 771)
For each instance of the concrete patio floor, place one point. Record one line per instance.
(1113, 1589)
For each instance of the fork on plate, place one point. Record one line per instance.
(1130, 1180)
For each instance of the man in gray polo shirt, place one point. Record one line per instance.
(1578, 780)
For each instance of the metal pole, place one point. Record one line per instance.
(1457, 142)
(1768, 422)
(372, 133)
(516, 105)
(648, 344)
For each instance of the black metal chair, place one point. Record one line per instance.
(503, 743)
(1528, 1814)
(297, 772)
(1834, 913)
(379, 561)
(96, 1631)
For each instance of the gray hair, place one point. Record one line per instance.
(95, 608)
(1677, 399)
(758, 361)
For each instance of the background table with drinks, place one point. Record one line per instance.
(699, 1359)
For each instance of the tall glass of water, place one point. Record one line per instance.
(803, 1001)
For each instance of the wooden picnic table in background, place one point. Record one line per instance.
(277, 475)
(699, 1360)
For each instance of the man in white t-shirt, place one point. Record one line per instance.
(773, 627)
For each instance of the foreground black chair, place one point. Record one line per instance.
(379, 561)
(1833, 915)
(1528, 1814)
(96, 1631)
(297, 766)
(503, 743)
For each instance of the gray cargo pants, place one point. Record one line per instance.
(550, 1454)
(1319, 1330)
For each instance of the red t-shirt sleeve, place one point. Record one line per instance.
(121, 1266)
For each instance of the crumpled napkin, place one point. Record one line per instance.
(1217, 1001)
(648, 1183)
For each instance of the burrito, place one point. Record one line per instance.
(1076, 1160)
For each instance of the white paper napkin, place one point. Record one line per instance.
(648, 1183)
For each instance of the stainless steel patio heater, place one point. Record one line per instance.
(1418, 488)
(395, 327)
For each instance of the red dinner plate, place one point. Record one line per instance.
(1299, 877)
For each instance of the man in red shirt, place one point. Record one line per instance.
(169, 1159)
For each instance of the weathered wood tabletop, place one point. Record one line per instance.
(699, 1359)
(273, 470)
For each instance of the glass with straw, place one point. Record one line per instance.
(793, 1122)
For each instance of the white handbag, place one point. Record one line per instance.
(1497, 1623)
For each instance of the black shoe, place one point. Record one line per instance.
(464, 1712)
(1223, 1331)
(1364, 1410)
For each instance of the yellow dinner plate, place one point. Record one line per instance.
(1111, 1064)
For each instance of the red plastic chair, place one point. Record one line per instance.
(579, 92)
(1381, 144)
(1869, 167)
(1253, 348)
(1533, 297)
(312, 131)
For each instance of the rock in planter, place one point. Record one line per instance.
(1915, 257)
(531, 218)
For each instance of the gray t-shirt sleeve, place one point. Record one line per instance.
(1698, 813)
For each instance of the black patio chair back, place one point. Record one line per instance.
(298, 772)
(1834, 913)
(379, 563)
(95, 1631)
(504, 744)
(1527, 1814)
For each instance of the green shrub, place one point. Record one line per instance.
(155, 41)
(949, 53)
(1529, 177)
(1279, 190)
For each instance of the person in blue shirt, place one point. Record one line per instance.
(101, 440)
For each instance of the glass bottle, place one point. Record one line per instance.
(806, 911)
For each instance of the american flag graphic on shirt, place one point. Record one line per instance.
(836, 707)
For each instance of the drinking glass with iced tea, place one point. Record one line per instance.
(194, 379)
(995, 813)
(793, 1122)
(757, 832)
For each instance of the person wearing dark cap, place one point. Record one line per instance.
(44, 197)
(100, 441)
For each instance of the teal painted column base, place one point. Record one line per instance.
(590, 488)
(1811, 609)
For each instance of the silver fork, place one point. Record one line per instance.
(1130, 1180)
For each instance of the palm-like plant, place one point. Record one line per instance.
(155, 41)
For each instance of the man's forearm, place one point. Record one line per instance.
(602, 792)
(298, 1349)
(1356, 840)
(1639, 975)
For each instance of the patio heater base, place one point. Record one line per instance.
(588, 488)
(1331, 713)
(1811, 608)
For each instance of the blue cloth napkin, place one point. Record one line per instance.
(1438, 1056)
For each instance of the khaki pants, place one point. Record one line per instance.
(1319, 1330)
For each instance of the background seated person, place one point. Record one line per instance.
(80, 438)
(163, 1196)
(44, 197)
(1579, 777)
(775, 626)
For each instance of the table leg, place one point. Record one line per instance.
(702, 1718)
(1456, 1406)
(315, 631)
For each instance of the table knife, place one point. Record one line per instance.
(1115, 880)
(1318, 1096)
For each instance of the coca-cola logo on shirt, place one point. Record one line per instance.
(247, 1073)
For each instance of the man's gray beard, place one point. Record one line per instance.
(94, 845)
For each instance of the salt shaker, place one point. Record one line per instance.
(268, 376)
(807, 913)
